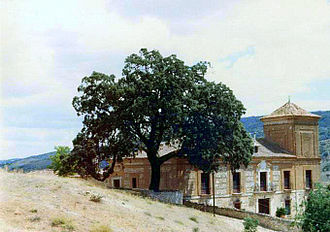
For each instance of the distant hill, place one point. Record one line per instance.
(36, 162)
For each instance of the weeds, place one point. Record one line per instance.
(196, 229)
(34, 219)
(62, 222)
(161, 218)
(101, 228)
(179, 222)
(33, 210)
(95, 197)
(147, 213)
(194, 219)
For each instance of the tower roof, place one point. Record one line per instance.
(290, 109)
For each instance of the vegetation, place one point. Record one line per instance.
(95, 197)
(315, 217)
(101, 228)
(250, 224)
(158, 100)
(63, 222)
(62, 162)
(280, 212)
(194, 219)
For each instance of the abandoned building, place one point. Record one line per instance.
(284, 167)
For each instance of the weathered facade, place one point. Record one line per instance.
(284, 167)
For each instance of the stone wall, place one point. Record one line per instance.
(173, 197)
(266, 221)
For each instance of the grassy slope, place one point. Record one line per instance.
(53, 197)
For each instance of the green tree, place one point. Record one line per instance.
(159, 99)
(315, 217)
(62, 162)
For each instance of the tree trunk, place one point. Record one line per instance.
(155, 175)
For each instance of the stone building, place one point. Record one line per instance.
(284, 167)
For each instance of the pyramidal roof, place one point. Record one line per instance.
(290, 109)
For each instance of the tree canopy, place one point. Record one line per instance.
(159, 100)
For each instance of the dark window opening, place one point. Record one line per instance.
(236, 182)
(263, 205)
(205, 183)
(288, 207)
(255, 149)
(116, 183)
(309, 179)
(263, 181)
(287, 180)
(134, 183)
(237, 204)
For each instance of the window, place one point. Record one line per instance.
(255, 149)
(236, 182)
(309, 179)
(237, 204)
(116, 183)
(134, 183)
(287, 180)
(263, 205)
(288, 206)
(205, 183)
(263, 181)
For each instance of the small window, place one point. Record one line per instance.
(255, 149)
(309, 183)
(287, 180)
(236, 182)
(263, 181)
(116, 183)
(263, 205)
(134, 183)
(288, 206)
(205, 183)
(237, 204)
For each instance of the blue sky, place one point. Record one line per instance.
(264, 50)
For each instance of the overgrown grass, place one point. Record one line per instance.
(63, 222)
(101, 228)
(179, 222)
(147, 213)
(194, 219)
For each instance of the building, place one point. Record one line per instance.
(284, 168)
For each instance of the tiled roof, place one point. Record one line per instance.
(267, 148)
(290, 109)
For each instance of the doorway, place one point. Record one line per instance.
(263, 205)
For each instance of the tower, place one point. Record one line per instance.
(294, 129)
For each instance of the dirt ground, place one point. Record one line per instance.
(34, 201)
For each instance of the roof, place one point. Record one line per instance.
(290, 109)
(267, 148)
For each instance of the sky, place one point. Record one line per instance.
(263, 50)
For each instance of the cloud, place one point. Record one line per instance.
(264, 50)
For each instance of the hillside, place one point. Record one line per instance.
(36, 162)
(40, 201)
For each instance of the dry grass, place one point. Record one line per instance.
(31, 202)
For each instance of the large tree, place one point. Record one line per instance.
(159, 100)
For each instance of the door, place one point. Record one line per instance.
(116, 183)
(263, 205)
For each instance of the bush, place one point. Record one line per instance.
(62, 222)
(62, 163)
(95, 197)
(280, 212)
(194, 219)
(250, 224)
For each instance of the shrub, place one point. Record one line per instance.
(34, 219)
(196, 229)
(101, 228)
(194, 219)
(95, 197)
(280, 212)
(33, 210)
(161, 218)
(250, 224)
(62, 222)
